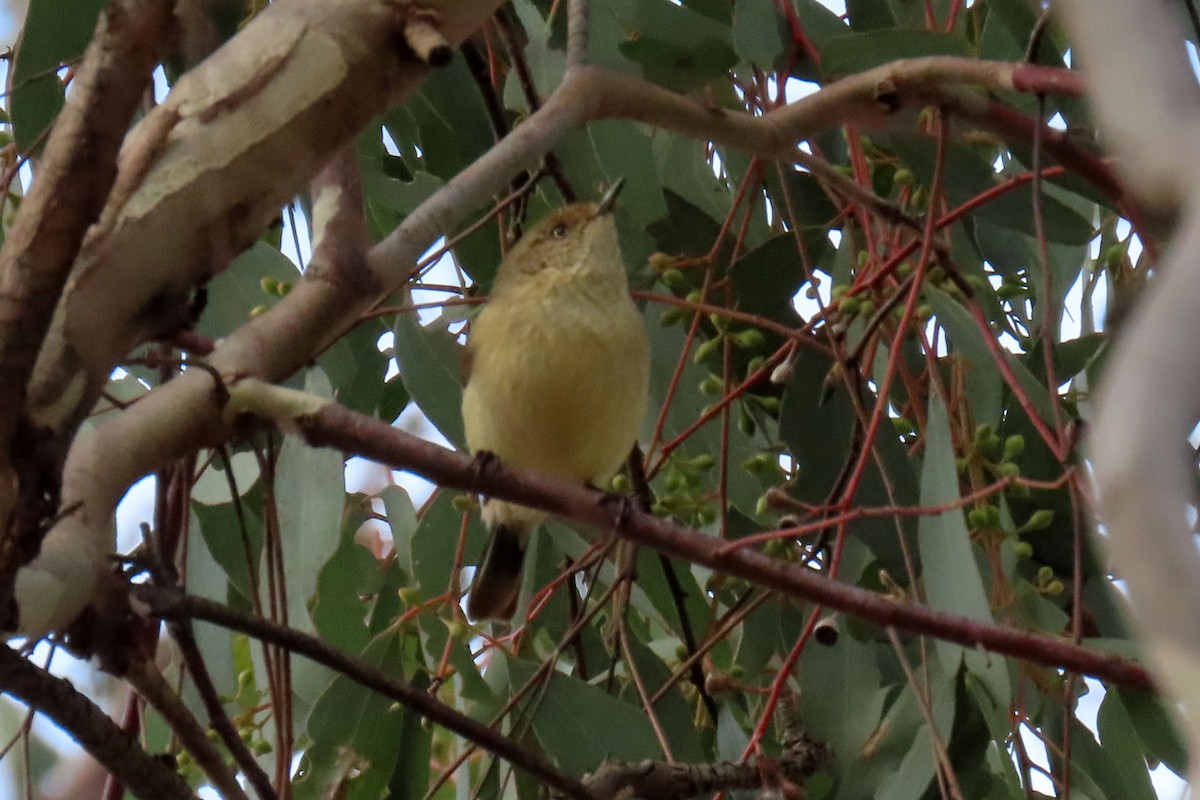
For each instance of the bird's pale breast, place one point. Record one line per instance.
(554, 391)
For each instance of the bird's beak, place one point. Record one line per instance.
(610, 197)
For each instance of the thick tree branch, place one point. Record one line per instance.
(871, 97)
(1147, 99)
(144, 775)
(197, 181)
(170, 604)
(73, 178)
(578, 13)
(1144, 92)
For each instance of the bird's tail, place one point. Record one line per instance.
(497, 583)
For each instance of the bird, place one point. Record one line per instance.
(558, 371)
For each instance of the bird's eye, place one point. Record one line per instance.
(559, 231)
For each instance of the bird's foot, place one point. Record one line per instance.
(483, 462)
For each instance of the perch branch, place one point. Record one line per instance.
(326, 424)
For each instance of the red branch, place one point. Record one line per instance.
(1037, 79)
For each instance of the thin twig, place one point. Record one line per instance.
(578, 14)
(644, 495)
(150, 684)
(550, 162)
(937, 744)
(181, 631)
(174, 605)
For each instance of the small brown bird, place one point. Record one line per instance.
(559, 370)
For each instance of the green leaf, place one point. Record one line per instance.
(858, 52)
(55, 33)
(675, 715)
(686, 227)
(949, 568)
(771, 630)
(984, 382)
(435, 543)
(393, 399)
(388, 200)
(229, 545)
(997, 41)
(579, 725)
(810, 206)
(207, 578)
(546, 62)
(310, 493)
(354, 732)
(686, 173)
(652, 580)
(1075, 355)
(356, 367)
(822, 26)
(453, 124)
(414, 759)
(963, 328)
(842, 695)
(673, 45)
(349, 575)
(916, 768)
(402, 518)
(598, 155)
(760, 34)
(1092, 772)
(767, 278)
(1156, 730)
(214, 486)
(430, 365)
(239, 289)
(1123, 749)
(816, 422)
(868, 15)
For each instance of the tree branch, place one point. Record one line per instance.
(73, 178)
(578, 13)
(218, 720)
(145, 775)
(171, 604)
(207, 171)
(326, 424)
(662, 781)
(180, 417)
(150, 684)
(1146, 97)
